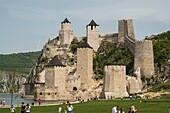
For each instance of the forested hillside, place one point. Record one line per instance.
(22, 62)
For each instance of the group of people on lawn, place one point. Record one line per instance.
(121, 110)
(24, 108)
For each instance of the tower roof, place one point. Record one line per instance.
(84, 44)
(55, 62)
(66, 21)
(92, 23)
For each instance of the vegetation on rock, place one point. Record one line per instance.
(112, 54)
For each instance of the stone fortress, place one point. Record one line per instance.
(61, 81)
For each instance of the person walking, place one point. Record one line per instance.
(39, 101)
(23, 107)
(70, 108)
(28, 107)
(12, 109)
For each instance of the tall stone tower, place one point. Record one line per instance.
(115, 81)
(85, 64)
(66, 32)
(93, 35)
(130, 28)
(55, 74)
(125, 28)
(144, 57)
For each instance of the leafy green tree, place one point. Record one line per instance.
(13, 83)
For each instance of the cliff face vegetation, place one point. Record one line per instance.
(112, 54)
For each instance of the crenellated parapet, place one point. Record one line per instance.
(66, 32)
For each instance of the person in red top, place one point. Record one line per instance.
(39, 101)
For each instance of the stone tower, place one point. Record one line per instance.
(115, 81)
(125, 28)
(93, 35)
(130, 28)
(66, 32)
(85, 64)
(144, 57)
(55, 74)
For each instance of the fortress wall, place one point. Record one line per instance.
(115, 81)
(144, 57)
(113, 38)
(39, 91)
(49, 77)
(85, 65)
(93, 37)
(134, 85)
(51, 93)
(60, 77)
(130, 28)
(130, 44)
(71, 84)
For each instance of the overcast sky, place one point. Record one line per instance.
(26, 25)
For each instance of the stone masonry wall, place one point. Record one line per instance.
(85, 65)
(144, 57)
(93, 37)
(66, 33)
(130, 28)
(115, 81)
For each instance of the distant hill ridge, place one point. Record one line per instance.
(22, 62)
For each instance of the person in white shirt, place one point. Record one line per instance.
(12, 109)
(59, 109)
(28, 107)
(114, 109)
(70, 108)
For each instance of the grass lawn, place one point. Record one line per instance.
(105, 106)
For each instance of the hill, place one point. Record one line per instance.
(23, 62)
(161, 48)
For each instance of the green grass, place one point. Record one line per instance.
(105, 106)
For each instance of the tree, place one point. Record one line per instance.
(13, 83)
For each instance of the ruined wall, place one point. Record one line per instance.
(144, 57)
(85, 65)
(93, 36)
(133, 84)
(115, 81)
